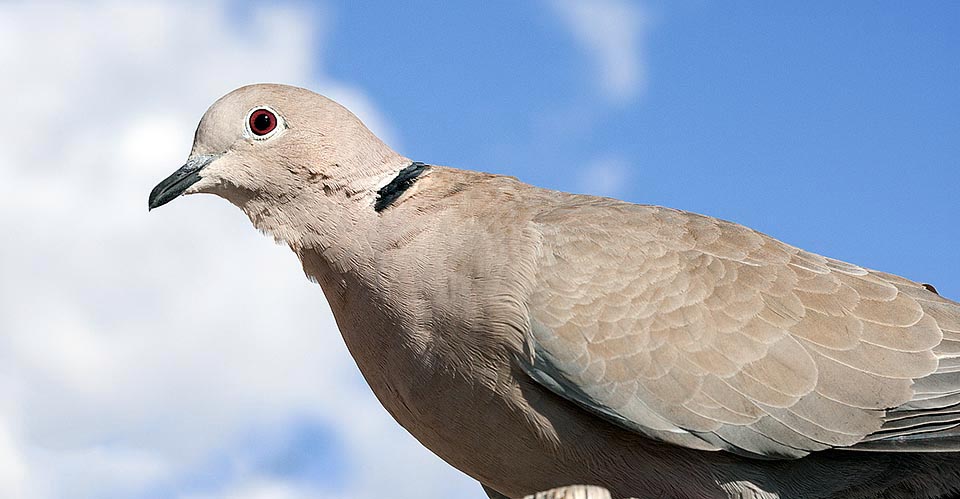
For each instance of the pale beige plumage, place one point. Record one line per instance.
(719, 337)
(535, 339)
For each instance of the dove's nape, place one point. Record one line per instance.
(534, 338)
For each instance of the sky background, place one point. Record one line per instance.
(181, 354)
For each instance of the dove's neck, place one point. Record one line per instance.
(328, 212)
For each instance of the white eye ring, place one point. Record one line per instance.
(263, 122)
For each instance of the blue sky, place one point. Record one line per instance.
(832, 126)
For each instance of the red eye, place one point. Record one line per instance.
(262, 122)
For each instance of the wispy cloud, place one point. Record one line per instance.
(606, 176)
(136, 349)
(613, 33)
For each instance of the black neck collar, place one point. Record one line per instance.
(389, 193)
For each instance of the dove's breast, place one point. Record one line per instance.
(435, 318)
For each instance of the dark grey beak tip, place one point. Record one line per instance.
(171, 188)
(174, 185)
(157, 198)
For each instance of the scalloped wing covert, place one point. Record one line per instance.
(707, 334)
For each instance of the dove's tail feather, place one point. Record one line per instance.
(948, 444)
(919, 429)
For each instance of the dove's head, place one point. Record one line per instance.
(269, 144)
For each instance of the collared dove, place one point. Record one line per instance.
(535, 339)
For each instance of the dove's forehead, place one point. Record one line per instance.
(225, 121)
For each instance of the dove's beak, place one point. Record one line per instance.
(175, 184)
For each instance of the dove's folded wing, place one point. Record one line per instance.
(707, 334)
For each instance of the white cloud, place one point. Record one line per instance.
(606, 176)
(136, 348)
(613, 33)
(13, 471)
(262, 488)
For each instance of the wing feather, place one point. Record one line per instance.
(703, 333)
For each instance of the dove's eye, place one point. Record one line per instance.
(262, 122)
